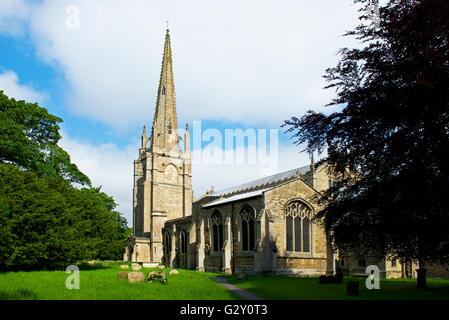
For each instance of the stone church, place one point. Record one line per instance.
(263, 226)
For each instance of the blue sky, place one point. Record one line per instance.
(247, 65)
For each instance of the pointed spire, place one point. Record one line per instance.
(187, 139)
(312, 163)
(144, 138)
(312, 170)
(165, 124)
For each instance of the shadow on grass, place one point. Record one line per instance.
(19, 294)
(57, 267)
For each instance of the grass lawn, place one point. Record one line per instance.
(101, 283)
(282, 288)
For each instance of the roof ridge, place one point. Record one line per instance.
(263, 182)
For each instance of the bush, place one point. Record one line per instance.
(157, 275)
(338, 278)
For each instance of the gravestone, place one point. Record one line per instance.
(136, 267)
(136, 276)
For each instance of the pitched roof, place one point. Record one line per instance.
(262, 183)
(236, 197)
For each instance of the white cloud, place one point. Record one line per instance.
(13, 14)
(107, 166)
(9, 83)
(251, 61)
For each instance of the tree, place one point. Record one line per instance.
(114, 227)
(391, 132)
(46, 222)
(29, 139)
(44, 219)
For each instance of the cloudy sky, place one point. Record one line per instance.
(237, 64)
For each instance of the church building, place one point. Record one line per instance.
(263, 226)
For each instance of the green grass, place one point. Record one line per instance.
(101, 282)
(282, 288)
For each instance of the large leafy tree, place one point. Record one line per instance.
(44, 219)
(46, 222)
(29, 139)
(391, 131)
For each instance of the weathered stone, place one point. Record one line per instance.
(173, 272)
(242, 276)
(136, 266)
(150, 264)
(123, 275)
(161, 267)
(136, 276)
(124, 266)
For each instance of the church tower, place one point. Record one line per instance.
(162, 173)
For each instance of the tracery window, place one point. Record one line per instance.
(247, 224)
(298, 218)
(217, 230)
(184, 241)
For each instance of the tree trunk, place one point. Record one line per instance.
(422, 275)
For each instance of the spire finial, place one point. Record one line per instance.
(167, 24)
(312, 163)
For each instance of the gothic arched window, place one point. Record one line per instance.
(163, 91)
(217, 230)
(167, 244)
(184, 241)
(247, 218)
(298, 218)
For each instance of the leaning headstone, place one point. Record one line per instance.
(124, 266)
(123, 275)
(242, 276)
(173, 271)
(136, 266)
(339, 278)
(353, 288)
(136, 276)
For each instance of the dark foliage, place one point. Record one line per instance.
(389, 143)
(46, 222)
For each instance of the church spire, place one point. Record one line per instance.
(165, 124)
